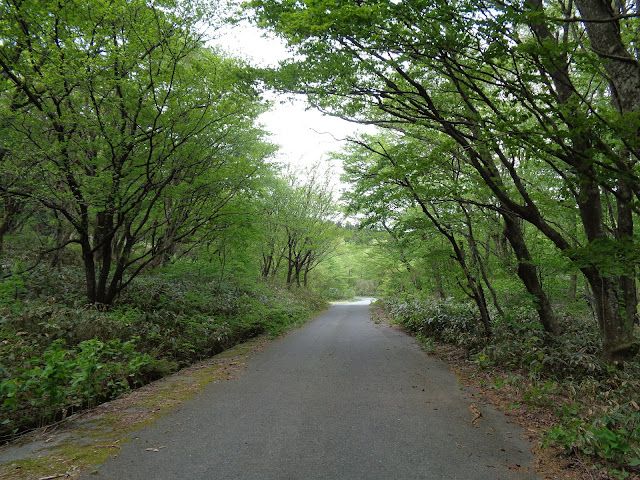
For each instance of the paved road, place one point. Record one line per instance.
(341, 398)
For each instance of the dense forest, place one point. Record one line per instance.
(145, 225)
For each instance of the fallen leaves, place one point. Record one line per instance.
(477, 414)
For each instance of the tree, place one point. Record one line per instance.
(387, 172)
(294, 224)
(123, 124)
(310, 236)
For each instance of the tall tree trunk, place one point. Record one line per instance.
(528, 273)
(104, 246)
(617, 333)
(4, 228)
(477, 261)
(89, 270)
(615, 329)
(290, 274)
(623, 70)
(12, 207)
(624, 233)
(267, 261)
(63, 234)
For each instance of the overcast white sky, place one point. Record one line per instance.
(305, 135)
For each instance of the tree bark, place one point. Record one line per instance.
(624, 233)
(527, 272)
(623, 70)
(4, 227)
(478, 262)
(615, 329)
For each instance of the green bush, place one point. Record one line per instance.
(64, 378)
(612, 435)
(447, 321)
(11, 289)
(58, 354)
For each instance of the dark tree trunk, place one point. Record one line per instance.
(624, 233)
(267, 261)
(477, 262)
(623, 70)
(617, 333)
(104, 246)
(12, 206)
(529, 275)
(63, 234)
(475, 287)
(4, 228)
(615, 329)
(89, 270)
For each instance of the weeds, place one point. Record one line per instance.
(613, 434)
(59, 355)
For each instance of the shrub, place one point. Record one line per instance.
(65, 378)
(613, 434)
(447, 321)
(59, 354)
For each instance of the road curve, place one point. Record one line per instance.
(340, 398)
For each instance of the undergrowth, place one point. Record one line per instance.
(598, 415)
(59, 355)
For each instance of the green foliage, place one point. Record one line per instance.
(359, 267)
(611, 256)
(64, 378)
(488, 109)
(11, 288)
(141, 93)
(295, 226)
(612, 435)
(447, 321)
(59, 357)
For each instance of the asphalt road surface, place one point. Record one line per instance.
(340, 398)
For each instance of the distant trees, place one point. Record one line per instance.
(296, 229)
(535, 102)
